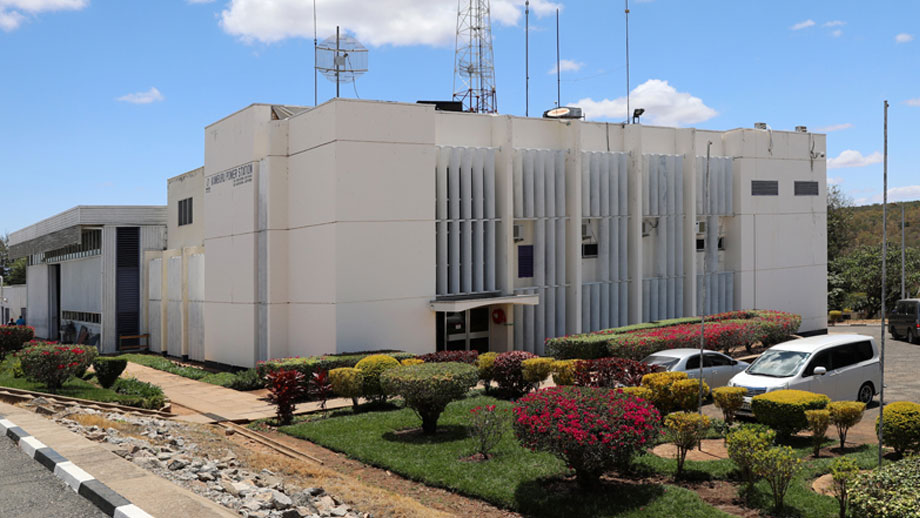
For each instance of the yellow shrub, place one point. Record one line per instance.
(564, 372)
(686, 393)
(412, 361)
(659, 383)
(784, 410)
(685, 429)
(845, 414)
(818, 421)
(347, 382)
(639, 392)
(372, 367)
(901, 429)
(730, 400)
(485, 362)
(535, 370)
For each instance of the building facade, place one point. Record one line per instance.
(361, 225)
(84, 280)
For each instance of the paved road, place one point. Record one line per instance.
(902, 363)
(28, 490)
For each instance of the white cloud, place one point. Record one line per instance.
(906, 193)
(834, 23)
(663, 104)
(566, 65)
(150, 96)
(394, 22)
(853, 158)
(904, 38)
(13, 12)
(837, 33)
(802, 25)
(836, 180)
(913, 102)
(834, 127)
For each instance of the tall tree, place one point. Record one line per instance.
(13, 272)
(839, 222)
(860, 272)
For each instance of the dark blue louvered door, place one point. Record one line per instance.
(127, 284)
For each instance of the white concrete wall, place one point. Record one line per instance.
(37, 289)
(81, 285)
(188, 185)
(13, 298)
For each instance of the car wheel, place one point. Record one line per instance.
(894, 335)
(911, 338)
(866, 393)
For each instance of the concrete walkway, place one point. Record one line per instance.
(157, 496)
(215, 403)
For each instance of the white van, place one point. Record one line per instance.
(843, 367)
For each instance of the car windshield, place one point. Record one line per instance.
(778, 364)
(665, 362)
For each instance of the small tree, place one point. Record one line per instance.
(685, 430)
(108, 370)
(487, 427)
(818, 421)
(347, 382)
(52, 365)
(743, 443)
(285, 387)
(429, 387)
(844, 415)
(843, 472)
(729, 400)
(777, 465)
(321, 387)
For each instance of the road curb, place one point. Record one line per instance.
(84, 484)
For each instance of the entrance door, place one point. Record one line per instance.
(54, 302)
(464, 330)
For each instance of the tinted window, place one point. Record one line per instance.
(822, 359)
(865, 350)
(693, 362)
(525, 261)
(845, 355)
(716, 360)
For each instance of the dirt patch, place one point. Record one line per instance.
(713, 449)
(823, 485)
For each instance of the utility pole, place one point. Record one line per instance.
(881, 394)
(527, 58)
(705, 283)
(315, 84)
(903, 285)
(558, 66)
(627, 62)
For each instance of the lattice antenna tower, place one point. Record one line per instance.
(474, 67)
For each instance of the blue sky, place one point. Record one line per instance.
(102, 100)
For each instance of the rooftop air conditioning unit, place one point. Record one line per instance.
(700, 227)
(585, 231)
(518, 232)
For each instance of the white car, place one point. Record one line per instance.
(718, 368)
(843, 367)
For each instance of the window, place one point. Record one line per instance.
(716, 360)
(589, 250)
(822, 359)
(806, 188)
(81, 316)
(693, 362)
(700, 244)
(525, 261)
(846, 355)
(764, 188)
(185, 212)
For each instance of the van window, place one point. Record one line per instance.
(846, 355)
(822, 359)
(865, 350)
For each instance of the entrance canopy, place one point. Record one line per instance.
(457, 305)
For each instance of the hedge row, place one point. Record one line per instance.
(722, 331)
(310, 364)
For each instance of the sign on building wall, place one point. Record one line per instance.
(235, 177)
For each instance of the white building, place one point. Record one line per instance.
(13, 303)
(84, 269)
(361, 225)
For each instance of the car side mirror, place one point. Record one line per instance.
(820, 371)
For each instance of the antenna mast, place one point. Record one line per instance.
(527, 58)
(474, 68)
(627, 62)
(315, 74)
(558, 66)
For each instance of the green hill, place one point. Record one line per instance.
(866, 224)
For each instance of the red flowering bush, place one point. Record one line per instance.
(285, 387)
(611, 372)
(13, 337)
(450, 356)
(593, 430)
(52, 365)
(508, 373)
(487, 426)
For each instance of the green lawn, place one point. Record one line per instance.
(237, 381)
(515, 478)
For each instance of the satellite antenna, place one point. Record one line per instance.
(341, 59)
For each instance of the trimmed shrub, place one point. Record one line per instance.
(347, 382)
(743, 443)
(784, 410)
(611, 372)
(834, 316)
(659, 383)
(536, 370)
(776, 326)
(52, 365)
(451, 356)
(285, 387)
(429, 387)
(901, 428)
(778, 466)
(685, 430)
(592, 430)
(372, 367)
(844, 415)
(142, 394)
(487, 427)
(729, 400)
(686, 393)
(818, 421)
(311, 364)
(564, 372)
(412, 361)
(508, 372)
(108, 370)
(639, 392)
(246, 380)
(889, 492)
(485, 362)
(12, 338)
(843, 473)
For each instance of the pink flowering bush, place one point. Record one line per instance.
(52, 365)
(593, 430)
(487, 426)
(508, 373)
(12, 338)
(611, 372)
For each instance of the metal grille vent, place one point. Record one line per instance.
(764, 188)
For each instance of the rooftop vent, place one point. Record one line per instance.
(445, 106)
(760, 125)
(801, 129)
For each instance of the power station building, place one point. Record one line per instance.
(360, 225)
